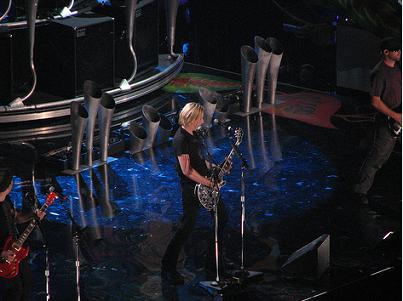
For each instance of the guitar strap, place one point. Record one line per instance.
(205, 152)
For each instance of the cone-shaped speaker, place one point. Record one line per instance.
(92, 98)
(274, 66)
(78, 120)
(248, 65)
(263, 51)
(105, 114)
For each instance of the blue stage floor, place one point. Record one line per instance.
(296, 190)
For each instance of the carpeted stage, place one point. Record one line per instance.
(303, 155)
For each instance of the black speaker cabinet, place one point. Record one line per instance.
(311, 260)
(73, 50)
(15, 71)
(146, 36)
(6, 68)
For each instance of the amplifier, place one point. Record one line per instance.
(73, 50)
(6, 68)
(146, 36)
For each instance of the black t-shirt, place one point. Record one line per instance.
(387, 84)
(7, 221)
(185, 143)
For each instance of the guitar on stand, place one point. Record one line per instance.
(208, 196)
(10, 268)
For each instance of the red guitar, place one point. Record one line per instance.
(10, 269)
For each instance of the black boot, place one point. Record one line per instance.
(172, 276)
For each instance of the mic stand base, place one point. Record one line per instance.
(245, 276)
(215, 288)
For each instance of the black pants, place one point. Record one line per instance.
(381, 148)
(191, 207)
(18, 288)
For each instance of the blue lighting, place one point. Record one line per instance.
(186, 48)
(104, 2)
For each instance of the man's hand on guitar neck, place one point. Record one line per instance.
(40, 214)
(26, 217)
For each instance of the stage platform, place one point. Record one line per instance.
(303, 154)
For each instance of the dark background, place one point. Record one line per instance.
(215, 31)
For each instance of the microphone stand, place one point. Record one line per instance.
(47, 265)
(217, 285)
(44, 243)
(77, 232)
(35, 206)
(242, 274)
(215, 209)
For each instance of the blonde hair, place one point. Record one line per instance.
(190, 112)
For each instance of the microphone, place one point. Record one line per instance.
(201, 131)
(222, 124)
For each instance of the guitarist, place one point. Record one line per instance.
(192, 169)
(386, 98)
(17, 288)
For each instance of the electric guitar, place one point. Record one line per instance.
(207, 196)
(394, 126)
(10, 269)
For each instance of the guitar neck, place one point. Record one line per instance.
(223, 169)
(23, 237)
(227, 159)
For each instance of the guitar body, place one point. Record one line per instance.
(10, 270)
(207, 196)
(395, 127)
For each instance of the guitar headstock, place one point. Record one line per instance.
(238, 133)
(52, 196)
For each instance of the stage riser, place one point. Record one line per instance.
(67, 53)
(51, 120)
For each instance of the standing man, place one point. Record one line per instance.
(192, 169)
(17, 288)
(386, 98)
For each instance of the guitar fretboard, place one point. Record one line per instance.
(23, 237)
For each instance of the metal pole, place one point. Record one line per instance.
(242, 217)
(242, 272)
(217, 278)
(76, 242)
(47, 272)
